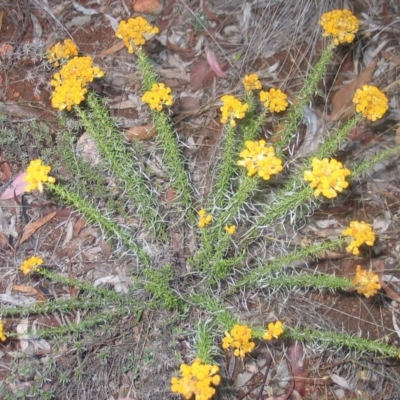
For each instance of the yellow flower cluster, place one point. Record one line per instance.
(31, 264)
(71, 82)
(240, 339)
(135, 32)
(366, 282)
(158, 96)
(197, 379)
(362, 233)
(257, 158)
(204, 218)
(232, 108)
(371, 102)
(2, 335)
(231, 229)
(62, 51)
(251, 82)
(36, 175)
(274, 330)
(275, 100)
(328, 177)
(342, 25)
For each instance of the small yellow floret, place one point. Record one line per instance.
(231, 229)
(259, 159)
(196, 380)
(274, 330)
(232, 108)
(204, 218)
(158, 96)
(328, 177)
(371, 102)
(62, 51)
(135, 32)
(251, 82)
(342, 25)
(36, 175)
(275, 100)
(2, 335)
(70, 84)
(31, 264)
(361, 233)
(366, 282)
(239, 338)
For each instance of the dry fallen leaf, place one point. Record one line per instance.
(31, 228)
(79, 225)
(111, 50)
(140, 132)
(6, 170)
(30, 290)
(200, 74)
(5, 49)
(147, 6)
(342, 101)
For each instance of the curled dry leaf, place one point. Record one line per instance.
(16, 188)
(140, 132)
(34, 226)
(147, 6)
(212, 61)
(296, 361)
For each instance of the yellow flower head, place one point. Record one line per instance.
(71, 82)
(274, 330)
(204, 218)
(366, 282)
(275, 100)
(232, 108)
(239, 338)
(70, 93)
(135, 32)
(371, 102)
(158, 96)
(231, 229)
(36, 175)
(328, 177)
(342, 25)
(31, 264)
(62, 51)
(259, 159)
(2, 335)
(361, 233)
(251, 82)
(197, 379)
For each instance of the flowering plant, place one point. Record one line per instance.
(371, 102)
(36, 175)
(361, 233)
(135, 32)
(366, 282)
(204, 218)
(62, 51)
(259, 159)
(240, 339)
(232, 109)
(274, 330)
(342, 25)
(197, 379)
(2, 335)
(328, 177)
(274, 100)
(251, 82)
(31, 264)
(158, 96)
